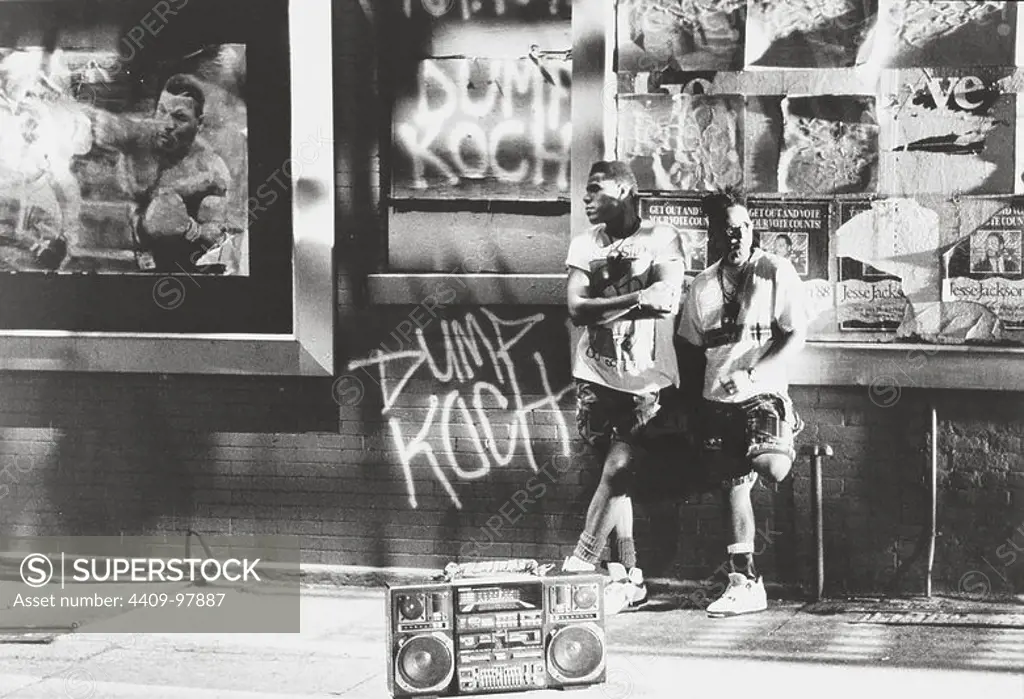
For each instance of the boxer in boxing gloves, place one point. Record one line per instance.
(182, 201)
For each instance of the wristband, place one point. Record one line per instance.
(640, 300)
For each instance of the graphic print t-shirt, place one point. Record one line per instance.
(626, 352)
(771, 298)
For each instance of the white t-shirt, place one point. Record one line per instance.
(630, 354)
(771, 298)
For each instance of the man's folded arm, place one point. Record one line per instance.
(586, 310)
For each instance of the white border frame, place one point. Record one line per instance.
(309, 349)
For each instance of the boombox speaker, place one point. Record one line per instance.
(500, 634)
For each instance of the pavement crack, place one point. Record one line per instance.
(784, 622)
(357, 685)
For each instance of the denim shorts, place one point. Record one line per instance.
(604, 414)
(732, 434)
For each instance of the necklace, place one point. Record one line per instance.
(731, 305)
(727, 294)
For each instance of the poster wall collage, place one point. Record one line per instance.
(880, 143)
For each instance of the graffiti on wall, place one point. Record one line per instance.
(498, 128)
(477, 391)
(471, 9)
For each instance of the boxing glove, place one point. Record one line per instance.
(50, 253)
(166, 216)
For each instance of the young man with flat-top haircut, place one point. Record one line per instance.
(745, 313)
(624, 281)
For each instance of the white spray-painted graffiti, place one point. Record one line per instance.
(468, 352)
(468, 9)
(508, 120)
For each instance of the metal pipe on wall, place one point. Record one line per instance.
(817, 452)
(933, 494)
(819, 545)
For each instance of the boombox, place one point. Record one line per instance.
(501, 634)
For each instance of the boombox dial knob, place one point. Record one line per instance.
(584, 597)
(410, 607)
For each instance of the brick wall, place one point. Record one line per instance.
(124, 454)
(95, 454)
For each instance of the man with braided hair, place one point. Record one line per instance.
(745, 314)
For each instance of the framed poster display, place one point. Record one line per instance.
(166, 186)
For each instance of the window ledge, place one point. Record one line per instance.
(887, 369)
(468, 289)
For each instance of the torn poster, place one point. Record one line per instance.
(798, 231)
(899, 237)
(670, 82)
(681, 142)
(812, 145)
(807, 33)
(935, 33)
(657, 35)
(947, 131)
(953, 323)
(867, 299)
(985, 267)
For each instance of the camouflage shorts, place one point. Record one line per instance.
(604, 414)
(734, 434)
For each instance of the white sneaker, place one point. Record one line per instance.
(742, 596)
(616, 597)
(572, 564)
(635, 587)
(617, 572)
(624, 590)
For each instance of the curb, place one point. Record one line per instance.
(323, 575)
(337, 575)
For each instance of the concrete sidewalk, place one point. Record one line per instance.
(674, 652)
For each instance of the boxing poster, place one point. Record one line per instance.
(867, 299)
(985, 267)
(107, 169)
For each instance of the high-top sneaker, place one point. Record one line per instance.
(743, 596)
